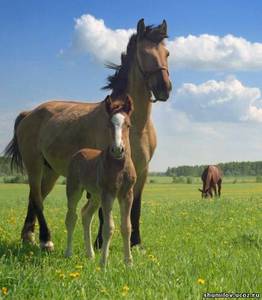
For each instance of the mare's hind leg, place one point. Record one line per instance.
(47, 183)
(74, 193)
(87, 217)
(35, 173)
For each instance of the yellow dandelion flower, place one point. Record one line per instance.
(152, 258)
(4, 290)
(201, 281)
(74, 274)
(125, 288)
(98, 269)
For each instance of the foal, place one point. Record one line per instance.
(104, 175)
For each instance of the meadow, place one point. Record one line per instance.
(190, 246)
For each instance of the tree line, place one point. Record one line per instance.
(246, 168)
(235, 169)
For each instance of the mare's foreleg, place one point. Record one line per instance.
(107, 201)
(125, 203)
(87, 217)
(99, 240)
(136, 208)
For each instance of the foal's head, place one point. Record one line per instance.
(119, 111)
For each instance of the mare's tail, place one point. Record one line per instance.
(12, 149)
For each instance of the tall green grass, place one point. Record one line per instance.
(190, 246)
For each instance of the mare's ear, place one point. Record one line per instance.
(108, 103)
(200, 190)
(128, 105)
(163, 27)
(141, 28)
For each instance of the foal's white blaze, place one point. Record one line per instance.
(118, 121)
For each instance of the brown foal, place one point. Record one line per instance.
(104, 175)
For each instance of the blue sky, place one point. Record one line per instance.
(216, 102)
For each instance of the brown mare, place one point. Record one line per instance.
(104, 175)
(46, 137)
(212, 178)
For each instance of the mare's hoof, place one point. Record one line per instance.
(47, 246)
(98, 243)
(28, 238)
(68, 254)
(135, 240)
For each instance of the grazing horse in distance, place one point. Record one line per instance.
(104, 175)
(211, 178)
(46, 137)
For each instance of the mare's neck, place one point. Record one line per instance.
(141, 99)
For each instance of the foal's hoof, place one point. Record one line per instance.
(47, 246)
(28, 238)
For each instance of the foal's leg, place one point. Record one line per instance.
(73, 196)
(87, 217)
(107, 201)
(125, 203)
(135, 214)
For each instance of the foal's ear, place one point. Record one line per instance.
(141, 28)
(108, 102)
(128, 105)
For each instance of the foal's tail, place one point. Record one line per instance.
(12, 149)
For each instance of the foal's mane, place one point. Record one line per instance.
(119, 80)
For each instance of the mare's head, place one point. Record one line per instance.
(145, 50)
(119, 111)
(205, 193)
(152, 58)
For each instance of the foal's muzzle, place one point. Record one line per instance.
(117, 152)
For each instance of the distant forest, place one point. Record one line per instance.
(229, 169)
(245, 168)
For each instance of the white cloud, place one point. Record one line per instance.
(203, 52)
(228, 101)
(210, 52)
(92, 36)
(183, 141)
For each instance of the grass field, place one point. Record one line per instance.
(190, 246)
